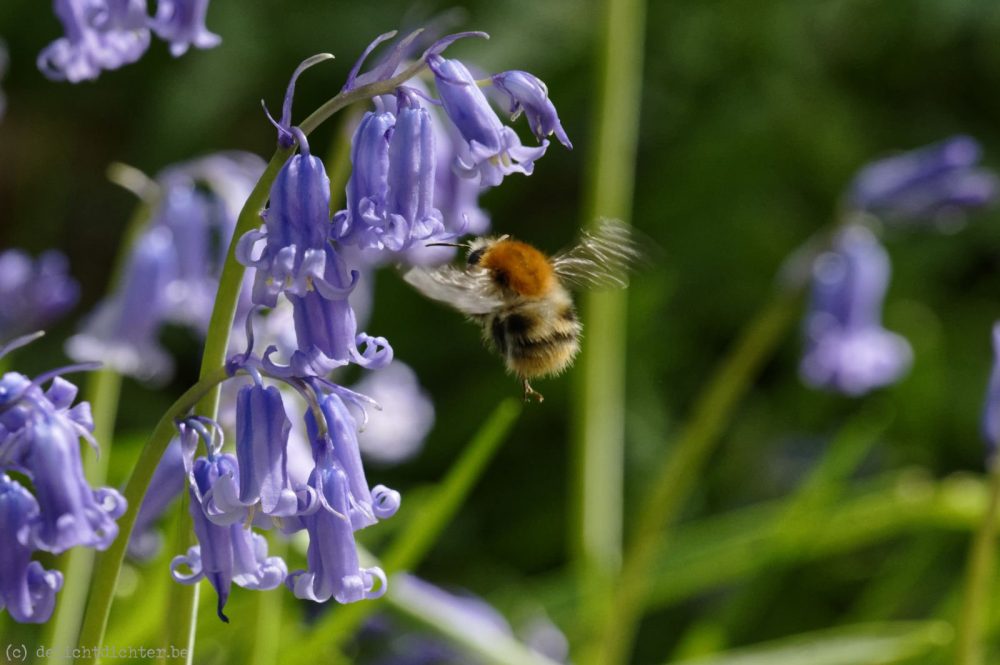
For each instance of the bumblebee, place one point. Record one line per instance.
(520, 297)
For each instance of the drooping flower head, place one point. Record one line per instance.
(182, 23)
(938, 183)
(847, 349)
(40, 433)
(529, 95)
(27, 590)
(100, 35)
(493, 149)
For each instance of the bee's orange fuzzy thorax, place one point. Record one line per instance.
(519, 267)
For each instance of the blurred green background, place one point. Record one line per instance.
(754, 117)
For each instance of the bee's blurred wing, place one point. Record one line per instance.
(468, 292)
(603, 258)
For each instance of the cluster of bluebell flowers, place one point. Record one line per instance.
(40, 431)
(107, 34)
(846, 348)
(312, 261)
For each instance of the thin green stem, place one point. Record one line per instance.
(267, 636)
(413, 544)
(599, 423)
(182, 599)
(979, 578)
(681, 469)
(108, 563)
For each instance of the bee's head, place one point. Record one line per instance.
(477, 248)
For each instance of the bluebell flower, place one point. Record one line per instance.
(33, 293)
(225, 553)
(182, 23)
(42, 433)
(928, 184)
(333, 567)
(368, 185)
(991, 410)
(262, 429)
(335, 446)
(493, 150)
(847, 349)
(295, 234)
(100, 35)
(27, 590)
(530, 96)
(397, 431)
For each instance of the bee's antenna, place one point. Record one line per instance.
(444, 244)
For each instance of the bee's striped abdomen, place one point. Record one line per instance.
(536, 343)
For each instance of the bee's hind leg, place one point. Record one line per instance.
(530, 392)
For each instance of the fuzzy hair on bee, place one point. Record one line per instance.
(521, 298)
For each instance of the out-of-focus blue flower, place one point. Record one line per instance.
(27, 591)
(100, 35)
(493, 150)
(33, 294)
(123, 331)
(529, 95)
(173, 268)
(396, 432)
(991, 410)
(928, 184)
(262, 429)
(182, 23)
(847, 349)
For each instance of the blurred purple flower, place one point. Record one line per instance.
(122, 332)
(173, 270)
(100, 35)
(33, 294)
(182, 23)
(937, 182)
(395, 433)
(27, 590)
(991, 410)
(493, 150)
(847, 350)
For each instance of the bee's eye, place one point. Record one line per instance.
(474, 257)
